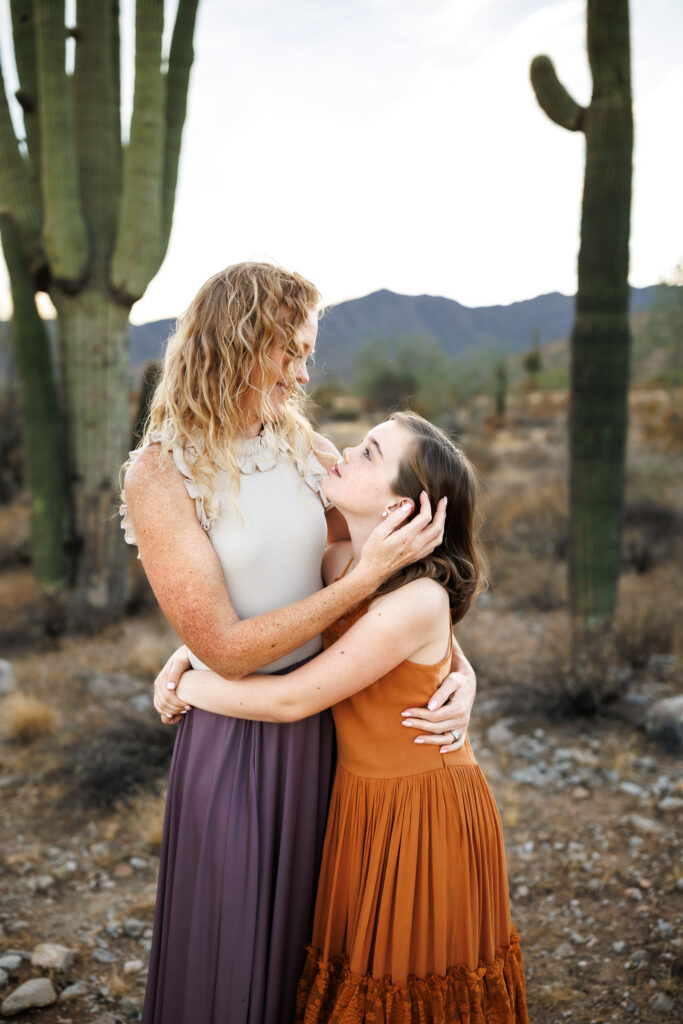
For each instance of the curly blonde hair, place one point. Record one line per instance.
(218, 358)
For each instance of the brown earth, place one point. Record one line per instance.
(591, 807)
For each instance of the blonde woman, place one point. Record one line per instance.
(223, 499)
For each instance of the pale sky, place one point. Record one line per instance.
(398, 144)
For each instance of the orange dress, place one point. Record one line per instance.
(412, 921)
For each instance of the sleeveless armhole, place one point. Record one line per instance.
(197, 491)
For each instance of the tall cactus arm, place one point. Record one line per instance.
(64, 229)
(97, 128)
(19, 196)
(553, 98)
(140, 219)
(25, 57)
(177, 81)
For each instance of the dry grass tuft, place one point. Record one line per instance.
(26, 718)
(647, 620)
(143, 816)
(529, 516)
(148, 652)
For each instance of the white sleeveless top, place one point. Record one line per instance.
(271, 545)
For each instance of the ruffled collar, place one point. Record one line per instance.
(260, 453)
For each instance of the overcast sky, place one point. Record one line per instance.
(398, 144)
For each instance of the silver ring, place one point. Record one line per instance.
(456, 736)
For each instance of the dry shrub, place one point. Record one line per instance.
(531, 584)
(533, 516)
(648, 617)
(15, 533)
(148, 652)
(26, 718)
(113, 763)
(144, 817)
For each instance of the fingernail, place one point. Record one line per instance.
(432, 705)
(183, 712)
(187, 707)
(443, 750)
(418, 740)
(406, 722)
(445, 502)
(170, 686)
(406, 714)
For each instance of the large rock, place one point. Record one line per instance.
(52, 956)
(664, 723)
(36, 992)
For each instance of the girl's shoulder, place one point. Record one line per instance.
(335, 559)
(427, 598)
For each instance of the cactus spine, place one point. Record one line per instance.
(600, 341)
(92, 226)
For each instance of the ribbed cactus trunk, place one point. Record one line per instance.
(600, 341)
(93, 226)
(44, 447)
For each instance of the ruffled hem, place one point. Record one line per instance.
(252, 454)
(495, 993)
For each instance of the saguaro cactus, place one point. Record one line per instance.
(93, 225)
(600, 340)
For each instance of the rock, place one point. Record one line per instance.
(16, 926)
(43, 883)
(500, 735)
(123, 871)
(138, 863)
(565, 951)
(645, 826)
(132, 966)
(634, 894)
(670, 803)
(640, 958)
(664, 723)
(661, 1002)
(4, 978)
(619, 946)
(679, 884)
(79, 988)
(11, 963)
(129, 1005)
(141, 702)
(662, 665)
(631, 788)
(522, 892)
(52, 956)
(36, 992)
(577, 939)
(112, 684)
(663, 930)
(133, 928)
(103, 956)
(6, 677)
(580, 793)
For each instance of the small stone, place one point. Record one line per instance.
(129, 1005)
(123, 871)
(522, 892)
(16, 926)
(661, 1002)
(577, 939)
(580, 793)
(663, 930)
(679, 884)
(141, 702)
(631, 788)
(52, 956)
(44, 882)
(645, 826)
(133, 928)
(500, 735)
(36, 992)
(664, 723)
(6, 677)
(670, 803)
(79, 988)
(565, 951)
(662, 665)
(103, 956)
(11, 962)
(138, 863)
(634, 894)
(619, 946)
(640, 958)
(132, 966)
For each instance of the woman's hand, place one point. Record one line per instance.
(448, 711)
(166, 701)
(393, 545)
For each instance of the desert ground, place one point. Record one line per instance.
(591, 804)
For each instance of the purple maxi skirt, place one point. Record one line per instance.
(243, 832)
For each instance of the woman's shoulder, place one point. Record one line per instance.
(424, 598)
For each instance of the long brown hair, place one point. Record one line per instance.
(434, 464)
